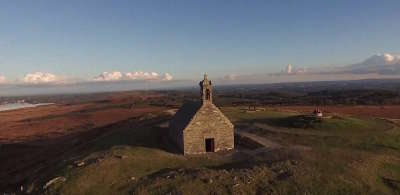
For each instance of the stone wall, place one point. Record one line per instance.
(209, 122)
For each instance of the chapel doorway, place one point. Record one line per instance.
(210, 145)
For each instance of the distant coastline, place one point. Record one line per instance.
(16, 106)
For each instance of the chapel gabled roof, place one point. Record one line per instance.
(185, 114)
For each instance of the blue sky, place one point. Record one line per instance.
(84, 38)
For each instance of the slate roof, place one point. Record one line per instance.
(185, 114)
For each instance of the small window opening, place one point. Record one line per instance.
(208, 94)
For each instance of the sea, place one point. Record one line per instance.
(16, 106)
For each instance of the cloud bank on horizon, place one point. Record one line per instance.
(384, 64)
(381, 64)
(41, 78)
(132, 76)
(47, 83)
(378, 66)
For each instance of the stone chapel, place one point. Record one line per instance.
(200, 127)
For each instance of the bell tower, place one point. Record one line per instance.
(205, 90)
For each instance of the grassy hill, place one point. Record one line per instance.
(339, 155)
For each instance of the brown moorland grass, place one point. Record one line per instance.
(34, 140)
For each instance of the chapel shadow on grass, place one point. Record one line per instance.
(136, 133)
(37, 161)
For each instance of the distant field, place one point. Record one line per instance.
(386, 111)
(58, 120)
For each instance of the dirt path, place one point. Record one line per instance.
(261, 140)
(267, 143)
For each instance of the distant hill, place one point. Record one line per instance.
(360, 92)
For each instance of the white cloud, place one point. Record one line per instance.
(378, 64)
(142, 76)
(109, 76)
(2, 79)
(230, 77)
(167, 77)
(301, 70)
(132, 76)
(289, 69)
(40, 78)
(385, 64)
(381, 59)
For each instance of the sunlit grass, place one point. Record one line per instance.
(348, 155)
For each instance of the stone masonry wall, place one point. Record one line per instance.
(209, 122)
